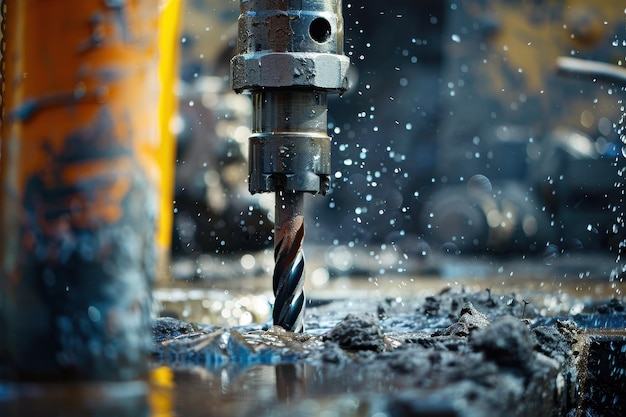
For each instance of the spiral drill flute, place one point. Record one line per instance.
(289, 57)
(289, 270)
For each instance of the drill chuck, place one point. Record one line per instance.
(289, 148)
(281, 44)
(289, 58)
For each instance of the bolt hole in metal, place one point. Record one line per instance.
(320, 30)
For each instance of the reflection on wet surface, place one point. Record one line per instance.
(125, 399)
(280, 390)
(285, 389)
(229, 363)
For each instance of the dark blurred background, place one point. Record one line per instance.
(458, 134)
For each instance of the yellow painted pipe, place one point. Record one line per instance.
(86, 168)
(170, 11)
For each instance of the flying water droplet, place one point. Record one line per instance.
(550, 254)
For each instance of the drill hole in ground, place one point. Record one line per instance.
(320, 30)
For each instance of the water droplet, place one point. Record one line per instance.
(479, 183)
(94, 314)
(592, 229)
(550, 254)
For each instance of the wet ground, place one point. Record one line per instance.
(457, 353)
(471, 337)
(464, 337)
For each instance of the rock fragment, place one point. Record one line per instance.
(470, 319)
(507, 342)
(358, 332)
(165, 328)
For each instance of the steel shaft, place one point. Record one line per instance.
(288, 278)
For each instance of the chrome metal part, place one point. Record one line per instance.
(290, 43)
(289, 148)
(290, 56)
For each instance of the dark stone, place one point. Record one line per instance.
(612, 307)
(552, 343)
(165, 328)
(358, 332)
(431, 306)
(469, 320)
(382, 312)
(507, 342)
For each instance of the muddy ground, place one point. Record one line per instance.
(457, 353)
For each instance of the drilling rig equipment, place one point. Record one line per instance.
(289, 57)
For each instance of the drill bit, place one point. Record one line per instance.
(288, 278)
(290, 55)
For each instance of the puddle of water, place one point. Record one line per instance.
(263, 390)
(124, 399)
(291, 389)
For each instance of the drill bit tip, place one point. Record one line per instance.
(288, 278)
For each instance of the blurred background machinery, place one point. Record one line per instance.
(458, 131)
(213, 209)
(512, 116)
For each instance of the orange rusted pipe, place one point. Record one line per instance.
(81, 170)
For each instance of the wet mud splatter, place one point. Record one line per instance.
(456, 353)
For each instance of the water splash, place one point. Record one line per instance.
(618, 273)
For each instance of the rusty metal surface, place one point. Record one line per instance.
(80, 184)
